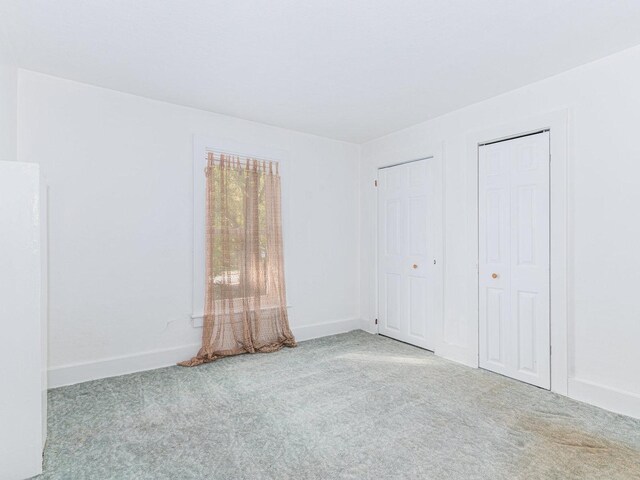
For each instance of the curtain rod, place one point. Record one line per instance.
(240, 155)
(404, 163)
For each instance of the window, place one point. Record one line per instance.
(201, 146)
(228, 271)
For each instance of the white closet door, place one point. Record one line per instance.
(514, 258)
(408, 233)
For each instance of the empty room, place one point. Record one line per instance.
(318, 240)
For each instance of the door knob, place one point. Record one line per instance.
(415, 265)
(494, 275)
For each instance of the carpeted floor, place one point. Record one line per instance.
(351, 406)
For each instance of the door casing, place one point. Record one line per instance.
(524, 354)
(438, 273)
(560, 314)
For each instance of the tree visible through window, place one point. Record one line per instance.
(230, 222)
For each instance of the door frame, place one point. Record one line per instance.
(542, 378)
(559, 260)
(388, 163)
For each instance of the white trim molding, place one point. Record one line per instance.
(609, 398)
(557, 124)
(115, 366)
(197, 319)
(308, 332)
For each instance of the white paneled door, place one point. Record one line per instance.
(513, 220)
(409, 233)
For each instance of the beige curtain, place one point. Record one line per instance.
(245, 302)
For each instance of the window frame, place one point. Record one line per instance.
(201, 146)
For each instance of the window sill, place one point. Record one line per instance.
(197, 318)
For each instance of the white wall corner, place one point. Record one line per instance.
(368, 325)
(308, 332)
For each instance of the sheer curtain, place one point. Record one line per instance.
(245, 301)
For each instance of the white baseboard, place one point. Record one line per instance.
(458, 354)
(307, 332)
(368, 326)
(618, 401)
(112, 367)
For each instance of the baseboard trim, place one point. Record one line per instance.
(307, 332)
(457, 354)
(368, 326)
(615, 400)
(112, 367)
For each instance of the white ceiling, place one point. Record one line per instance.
(346, 69)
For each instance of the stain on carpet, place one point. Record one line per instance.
(560, 447)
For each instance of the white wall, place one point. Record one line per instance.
(21, 412)
(603, 101)
(8, 112)
(119, 169)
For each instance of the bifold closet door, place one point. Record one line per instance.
(409, 228)
(513, 221)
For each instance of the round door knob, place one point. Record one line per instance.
(415, 265)
(494, 275)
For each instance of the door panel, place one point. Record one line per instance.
(409, 230)
(526, 225)
(417, 307)
(418, 225)
(495, 329)
(393, 300)
(495, 226)
(526, 322)
(393, 245)
(513, 268)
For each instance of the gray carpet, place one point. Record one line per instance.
(351, 406)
